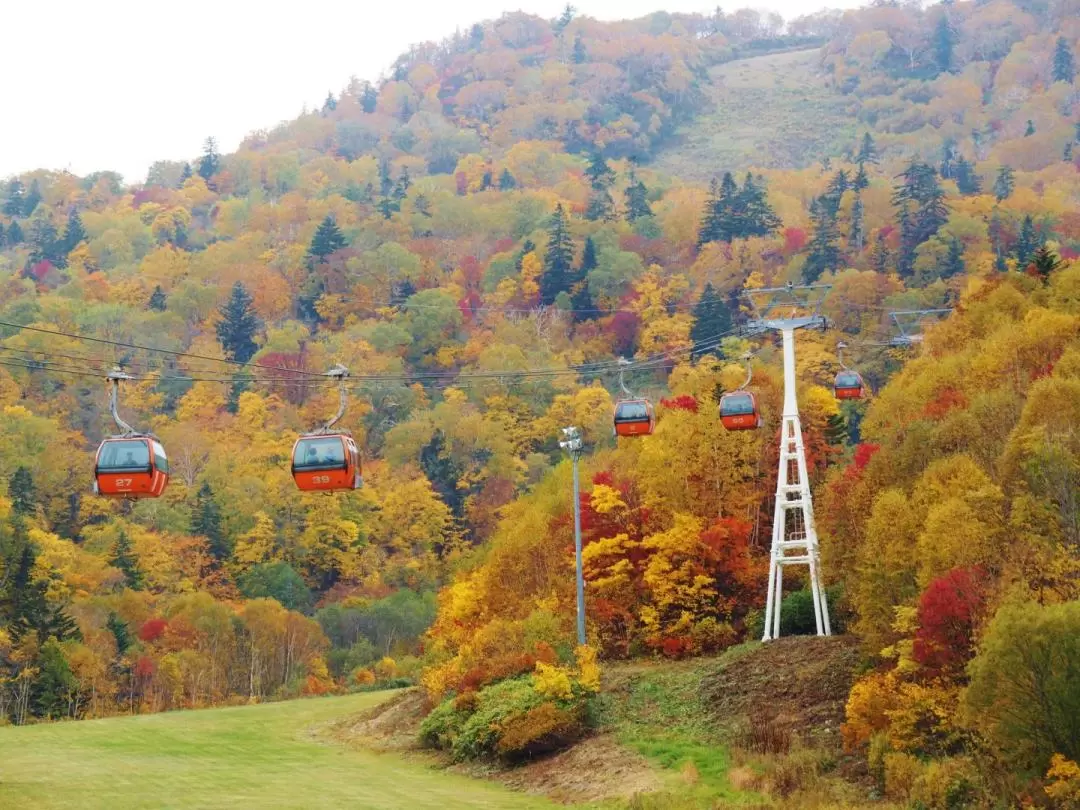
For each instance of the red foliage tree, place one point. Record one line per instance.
(153, 629)
(863, 453)
(795, 240)
(949, 611)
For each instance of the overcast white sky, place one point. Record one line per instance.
(90, 85)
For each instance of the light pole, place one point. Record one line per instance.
(572, 444)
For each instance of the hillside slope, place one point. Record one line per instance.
(772, 111)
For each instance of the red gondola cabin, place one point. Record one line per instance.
(326, 462)
(634, 417)
(739, 411)
(848, 385)
(131, 467)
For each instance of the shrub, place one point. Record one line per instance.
(1024, 694)
(362, 677)
(1064, 787)
(480, 732)
(901, 771)
(764, 733)
(441, 727)
(540, 730)
(945, 785)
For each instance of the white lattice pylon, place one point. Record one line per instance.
(794, 539)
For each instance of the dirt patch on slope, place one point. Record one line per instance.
(595, 769)
(801, 681)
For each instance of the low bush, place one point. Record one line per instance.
(517, 718)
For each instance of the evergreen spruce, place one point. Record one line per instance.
(241, 382)
(712, 319)
(328, 238)
(857, 232)
(45, 245)
(758, 217)
(967, 181)
(599, 173)
(22, 492)
(330, 104)
(836, 430)
(74, 232)
(206, 521)
(13, 205)
(867, 151)
(369, 100)
(14, 234)
(1026, 243)
(954, 260)
(580, 55)
(185, 174)
(881, 258)
(506, 181)
(1004, 183)
(1030, 129)
(123, 558)
(1067, 155)
(54, 687)
(238, 325)
(2, 235)
(210, 162)
(1064, 62)
(120, 633)
(158, 300)
(1045, 262)
(922, 211)
(33, 197)
(581, 300)
(861, 181)
(404, 182)
(825, 243)
(944, 44)
(601, 206)
(637, 201)
(558, 259)
(999, 263)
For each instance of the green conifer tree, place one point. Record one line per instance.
(1026, 243)
(210, 162)
(158, 300)
(206, 522)
(558, 258)
(712, 319)
(867, 150)
(944, 44)
(1045, 262)
(954, 260)
(506, 181)
(1064, 62)
(74, 232)
(238, 325)
(328, 238)
(14, 202)
(124, 558)
(33, 197)
(824, 244)
(1004, 183)
(22, 492)
(120, 632)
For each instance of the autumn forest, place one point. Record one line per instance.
(498, 239)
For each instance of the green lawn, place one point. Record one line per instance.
(250, 757)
